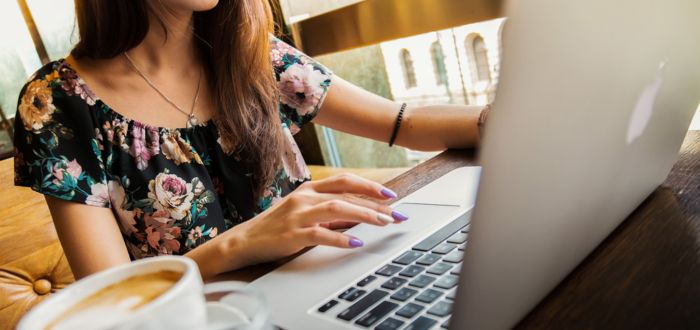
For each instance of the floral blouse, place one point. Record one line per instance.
(169, 189)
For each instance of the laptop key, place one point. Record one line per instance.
(403, 294)
(465, 229)
(409, 310)
(452, 295)
(442, 308)
(457, 238)
(354, 295)
(388, 270)
(444, 248)
(351, 294)
(454, 257)
(428, 296)
(328, 306)
(408, 257)
(361, 305)
(412, 271)
(457, 269)
(443, 233)
(462, 246)
(445, 324)
(376, 313)
(428, 259)
(422, 281)
(346, 292)
(366, 280)
(440, 268)
(447, 282)
(421, 323)
(389, 324)
(394, 282)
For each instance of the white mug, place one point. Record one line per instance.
(183, 306)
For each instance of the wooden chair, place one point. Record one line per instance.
(32, 263)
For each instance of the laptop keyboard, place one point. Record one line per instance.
(413, 292)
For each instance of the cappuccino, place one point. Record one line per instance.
(116, 301)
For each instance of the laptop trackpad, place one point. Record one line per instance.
(422, 218)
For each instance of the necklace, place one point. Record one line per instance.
(191, 119)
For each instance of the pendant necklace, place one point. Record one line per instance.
(191, 119)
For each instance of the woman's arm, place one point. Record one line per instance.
(351, 109)
(89, 235)
(92, 241)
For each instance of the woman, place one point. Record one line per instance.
(168, 130)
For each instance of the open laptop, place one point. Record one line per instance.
(594, 101)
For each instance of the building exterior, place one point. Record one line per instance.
(458, 65)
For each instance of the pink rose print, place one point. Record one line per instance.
(301, 87)
(60, 169)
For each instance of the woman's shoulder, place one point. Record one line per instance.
(52, 89)
(61, 79)
(301, 81)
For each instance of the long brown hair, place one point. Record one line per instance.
(235, 48)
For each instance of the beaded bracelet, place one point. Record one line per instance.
(397, 125)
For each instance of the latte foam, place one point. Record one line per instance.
(115, 302)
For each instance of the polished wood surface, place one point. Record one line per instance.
(645, 275)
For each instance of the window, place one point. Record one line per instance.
(478, 56)
(55, 22)
(409, 73)
(438, 63)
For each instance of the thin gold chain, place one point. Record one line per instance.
(191, 119)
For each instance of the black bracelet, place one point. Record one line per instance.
(397, 125)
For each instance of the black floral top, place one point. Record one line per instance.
(169, 189)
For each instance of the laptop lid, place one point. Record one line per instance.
(594, 100)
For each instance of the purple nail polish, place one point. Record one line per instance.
(356, 242)
(399, 216)
(388, 193)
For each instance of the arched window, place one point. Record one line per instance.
(478, 56)
(438, 63)
(409, 74)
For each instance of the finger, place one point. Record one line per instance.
(322, 236)
(371, 204)
(340, 210)
(353, 184)
(333, 225)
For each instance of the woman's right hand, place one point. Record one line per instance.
(304, 218)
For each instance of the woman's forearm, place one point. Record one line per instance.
(438, 127)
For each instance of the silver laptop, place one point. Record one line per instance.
(594, 100)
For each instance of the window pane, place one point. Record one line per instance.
(18, 59)
(364, 67)
(55, 20)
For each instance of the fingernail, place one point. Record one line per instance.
(399, 216)
(388, 193)
(385, 218)
(356, 242)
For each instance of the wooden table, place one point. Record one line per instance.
(645, 274)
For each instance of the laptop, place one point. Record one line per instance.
(595, 98)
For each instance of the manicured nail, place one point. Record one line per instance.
(388, 193)
(356, 242)
(399, 216)
(385, 218)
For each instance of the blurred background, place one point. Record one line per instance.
(414, 51)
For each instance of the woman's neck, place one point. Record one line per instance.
(167, 48)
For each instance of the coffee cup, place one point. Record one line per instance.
(163, 292)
